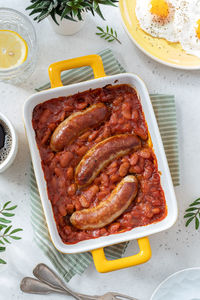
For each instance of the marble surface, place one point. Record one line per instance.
(172, 250)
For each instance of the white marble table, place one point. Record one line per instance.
(172, 250)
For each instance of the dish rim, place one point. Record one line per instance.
(171, 276)
(96, 243)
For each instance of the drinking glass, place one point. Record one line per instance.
(11, 19)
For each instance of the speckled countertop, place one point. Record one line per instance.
(172, 250)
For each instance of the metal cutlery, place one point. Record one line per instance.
(48, 282)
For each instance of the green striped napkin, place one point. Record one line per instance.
(68, 265)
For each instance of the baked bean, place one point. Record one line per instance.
(54, 183)
(134, 159)
(147, 172)
(106, 132)
(111, 171)
(81, 105)
(70, 173)
(140, 132)
(62, 116)
(82, 150)
(123, 170)
(67, 230)
(72, 189)
(84, 201)
(65, 159)
(85, 136)
(62, 210)
(45, 115)
(101, 195)
(70, 208)
(58, 172)
(113, 164)
(135, 169)
(126, 128)
(97, 181)
(126, 111)
(61, 183)
(113, 119)
(156, 210)
(118, 100)
(52, 126)
(77, 205)
(103, 232)
(104, 179)
(91, 192)
(145, 186)
(113, 227)
(46, 136)
(93, 136)
(135, 115)
(156, 194)
(120, 121)
(145, 153)
(114, 178)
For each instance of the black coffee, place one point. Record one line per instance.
(2, 136)
(5, 141)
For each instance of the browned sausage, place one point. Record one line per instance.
(108, 210)
(102, 154)
(76, 124)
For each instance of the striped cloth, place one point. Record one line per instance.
(68, 265)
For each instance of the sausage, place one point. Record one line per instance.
(108, 210)
(76, 124)
(99, 156)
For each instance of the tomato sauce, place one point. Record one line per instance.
(126, 116)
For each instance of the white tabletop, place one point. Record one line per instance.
(172, 250)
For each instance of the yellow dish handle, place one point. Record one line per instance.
(94, 61)
(103, 265)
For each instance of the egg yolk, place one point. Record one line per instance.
(159, 8)
(198, 29)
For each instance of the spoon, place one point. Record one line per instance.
(46, 275)
(34, 286)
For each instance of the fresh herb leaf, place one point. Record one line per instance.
(2, 262)
(109, 34)
(68, 9)
(6, 231)
(193, 214)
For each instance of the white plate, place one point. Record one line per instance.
(183, 285)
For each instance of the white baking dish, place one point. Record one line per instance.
(137, 233)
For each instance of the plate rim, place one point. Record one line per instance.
(170, 276)
(168, 64)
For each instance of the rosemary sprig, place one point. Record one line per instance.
(109, 34)
(6, 231)
(193, 213)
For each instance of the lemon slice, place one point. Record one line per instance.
(13, 49)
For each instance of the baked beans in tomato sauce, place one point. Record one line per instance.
(125, 116)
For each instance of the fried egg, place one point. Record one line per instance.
(156, 17)
(187, 23)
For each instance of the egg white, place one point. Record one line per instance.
(187, 15)
(150, 25)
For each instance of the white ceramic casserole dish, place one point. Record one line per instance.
(96, 245)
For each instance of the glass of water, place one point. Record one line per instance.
(13, 20)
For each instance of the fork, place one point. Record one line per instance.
(48, 282)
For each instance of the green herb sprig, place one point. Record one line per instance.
(68, 9)
(109, 34)
(193, 214)
(7, 233)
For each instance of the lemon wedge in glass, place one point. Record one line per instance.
(13, 49)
